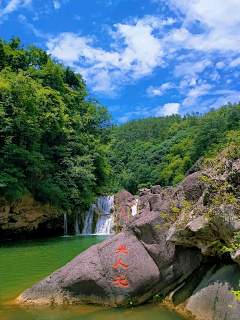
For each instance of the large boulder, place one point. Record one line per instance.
(213, 299)
(123, 197)
(124, 201)
(204, 234)
(129, 267)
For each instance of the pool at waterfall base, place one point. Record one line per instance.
(26, 262)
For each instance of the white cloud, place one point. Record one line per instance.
(76, 17)
(125, 118)
(167, 110)
(21, 17)
(56, 4)
(138, 111)
(220, 32)
(168, 22)
(105, 70)
(215, 76)
(27, 2)
(229, 81)
(159, 91)
(230, 96)
(235, 62)
(12, 6)
(194, 94)
(191, 68)
(220, 65)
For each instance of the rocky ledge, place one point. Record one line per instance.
(174, 248)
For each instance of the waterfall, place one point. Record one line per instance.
(87, 229)
(134, 208)
(106, 221)
(76, 224)
(65, 225)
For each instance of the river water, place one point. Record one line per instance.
(26, 262)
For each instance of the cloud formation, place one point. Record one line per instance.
(167, 110)
(137, 57)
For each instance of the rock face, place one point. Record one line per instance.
(124, 201)
(168, 248)
(213, 299)
(129, 267)
(29, 218)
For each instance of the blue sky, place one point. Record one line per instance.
(139, 58)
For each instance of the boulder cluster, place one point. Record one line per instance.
(173, 248)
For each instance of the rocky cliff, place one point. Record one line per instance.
(182, 245)
(29, 218)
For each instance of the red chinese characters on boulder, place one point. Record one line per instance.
(124, 213)
(122, 248)
(121, 281)
(121, 264)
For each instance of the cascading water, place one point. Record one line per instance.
(77, 225)
(65, 225)
(134, 208)
(106, 221)
(87, 229)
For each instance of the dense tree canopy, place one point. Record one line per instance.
(160, 150)
(53, 137)
(57, 143)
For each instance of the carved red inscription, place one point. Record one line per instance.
(122, 248)
(120, 264)
(121, 281)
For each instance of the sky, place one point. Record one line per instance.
(140, 58)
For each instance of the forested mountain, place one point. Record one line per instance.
(59, 145)
(160, 150)
(53, 137)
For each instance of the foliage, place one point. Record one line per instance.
(161, 150)
(53, 136)
(158, 298)
(236, 293)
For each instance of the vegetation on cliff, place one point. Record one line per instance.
(53, 136)
(54, 139)
(160, 150)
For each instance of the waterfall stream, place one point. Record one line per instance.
(77, 225)
(87, 229)
(134, 208)
(105, 221)
(65, 225)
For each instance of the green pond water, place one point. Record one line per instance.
(24, 263)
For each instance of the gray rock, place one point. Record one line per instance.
(123, 201)
(156, 189)
(227, 222)
(197, 233)
(191, 188)
(201, 233)
(211, 299)
(144, 191)
(123, 197)
(236, 256)
(144, 202)
(123, 214)
(129, 267)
